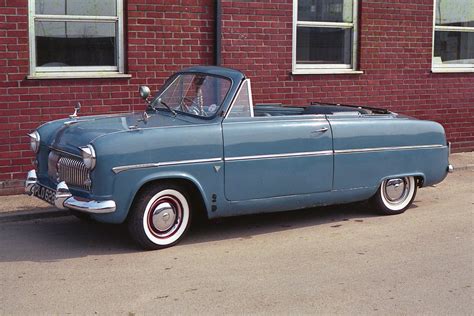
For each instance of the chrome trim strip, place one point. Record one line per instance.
(164, 164)
(377, 149)
(287, 155)
(270, 156)
(272, 119)
(65, 152)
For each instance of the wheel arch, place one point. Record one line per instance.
(191, 185)
(419, 178)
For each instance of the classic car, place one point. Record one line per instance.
(201, 146)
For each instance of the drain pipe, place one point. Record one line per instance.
(218, 39)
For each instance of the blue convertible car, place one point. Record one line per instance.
(202, 146)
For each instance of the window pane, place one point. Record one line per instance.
(316, 45)
(77, 7)
(454, 48)
(241, 107)
(455, 13)
(75, 44)
(325, 10)
(195, 94)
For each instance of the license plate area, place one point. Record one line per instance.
(44, 193)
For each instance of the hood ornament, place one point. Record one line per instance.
(77, 107)
(73, 116)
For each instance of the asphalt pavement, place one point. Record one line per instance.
(333, 260)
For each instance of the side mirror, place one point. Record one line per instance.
(144, 92)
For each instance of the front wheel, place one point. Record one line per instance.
(395, 195)
(160, 216)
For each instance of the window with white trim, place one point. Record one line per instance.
(324, 36)
(453, 36)
(76, 38)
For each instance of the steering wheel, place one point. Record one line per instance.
(190, 108)
(185, 107)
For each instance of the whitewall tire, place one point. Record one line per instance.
(160, 216)
(395, 195)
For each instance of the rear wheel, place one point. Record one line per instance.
(395, 195)
(160, 216)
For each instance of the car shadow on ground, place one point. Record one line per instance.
(248, 226)
(55, 239)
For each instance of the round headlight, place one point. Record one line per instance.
(34, 141)
(88, 156)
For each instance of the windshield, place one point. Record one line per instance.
(194, 93)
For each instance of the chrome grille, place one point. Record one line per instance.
(73, 171)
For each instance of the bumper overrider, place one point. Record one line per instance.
(63, 198)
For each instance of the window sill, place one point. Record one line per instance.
(452, 70)
(326, 72)
(79, 75)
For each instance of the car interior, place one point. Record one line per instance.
(323, 109)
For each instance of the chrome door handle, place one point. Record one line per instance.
(321, 130)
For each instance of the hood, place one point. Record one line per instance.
(74, 134)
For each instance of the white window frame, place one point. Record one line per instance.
(77, 71)
(327, 68)
(448, 68)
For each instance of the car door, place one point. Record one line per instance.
(276, 156)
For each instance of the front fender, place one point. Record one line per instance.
(127, 184)
(167, 175)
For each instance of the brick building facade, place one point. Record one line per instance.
(392, 64)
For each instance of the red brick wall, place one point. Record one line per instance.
(394, 53)
(164, 36)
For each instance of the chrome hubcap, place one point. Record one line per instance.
(396, 190)
(164, 216)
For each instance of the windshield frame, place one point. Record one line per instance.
(173, 78)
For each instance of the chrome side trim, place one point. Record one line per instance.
(163, 164)
(287, 155)
(377, 149)
(270, 156)
(271, 119)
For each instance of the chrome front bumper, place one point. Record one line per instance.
(63, 198)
